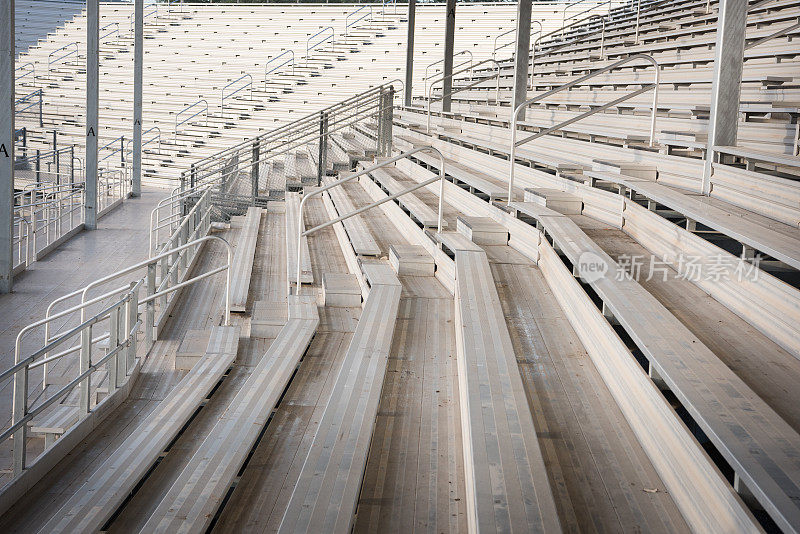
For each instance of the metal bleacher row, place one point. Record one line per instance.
(598, 345)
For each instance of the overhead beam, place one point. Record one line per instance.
(412, 8)
(92, 110)
(522, 54)
(6, 143)
(138, 59)
(726, 85)
(449, 43)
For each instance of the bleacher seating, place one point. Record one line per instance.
(513, 369)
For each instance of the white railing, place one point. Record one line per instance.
(436, 72)
(47, 213)
(496, 75)
(248, 84)
(495, 48)
(122, 321)
(276, 68)
(569, 85)
(440, 178)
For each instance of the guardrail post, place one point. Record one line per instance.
(385, 118)
(322, 160)
(85, 362)
(20, 410)
(131, 318)
(150, 307)
(113, 343)
(254, 170)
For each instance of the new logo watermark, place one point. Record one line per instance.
(591, 267)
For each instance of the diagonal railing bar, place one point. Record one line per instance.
(568, 85)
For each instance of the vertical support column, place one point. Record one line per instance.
(386, 117)
(255, 164)
(449, 43)
(6, 144)
(322, 159)
(726, 85)
(522, 55)
(92, 110)
(138, 62)
(412, 8)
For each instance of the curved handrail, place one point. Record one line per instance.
(28, 97)
(465, 51)
(112, 32)
(21, 414)
(331, 38)
(51, 62)
(602, 32)
(464, 88)
(267, 72)
(348, 23)
(319, 191)
(32, 70)
(121, 148)
(543, 36)
(243, 87)
(564, 17)
(568, 85)
(186, 110)
(495, 48)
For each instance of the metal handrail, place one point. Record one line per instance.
(602, 32)
(564, 17)
(32, 70)
(112, 32)
(21, 415)
(561, 45)
(240, 78)
(348, 23)
(128, 150)
(120, 148)
(308, 119)
(330, 38)
(464, 88)
(51, 62)
(267, 72)
(186, 110)
(568, 85)
(779, 33)
(471, 61)
(32, 94)
(315, 192)
(495, 48)
(383, 7)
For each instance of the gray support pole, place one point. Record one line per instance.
(92, 109)
(6, 143)
(726, 85)
(138, 60)
(449, 43)
(522, 55)
(412, 8)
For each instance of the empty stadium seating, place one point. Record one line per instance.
(598, 345)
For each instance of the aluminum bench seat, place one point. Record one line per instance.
(359, 234)
(507, 483)
(327, 489)
(760, 446)
(94, 503)
(243, 260)
(193, 499)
